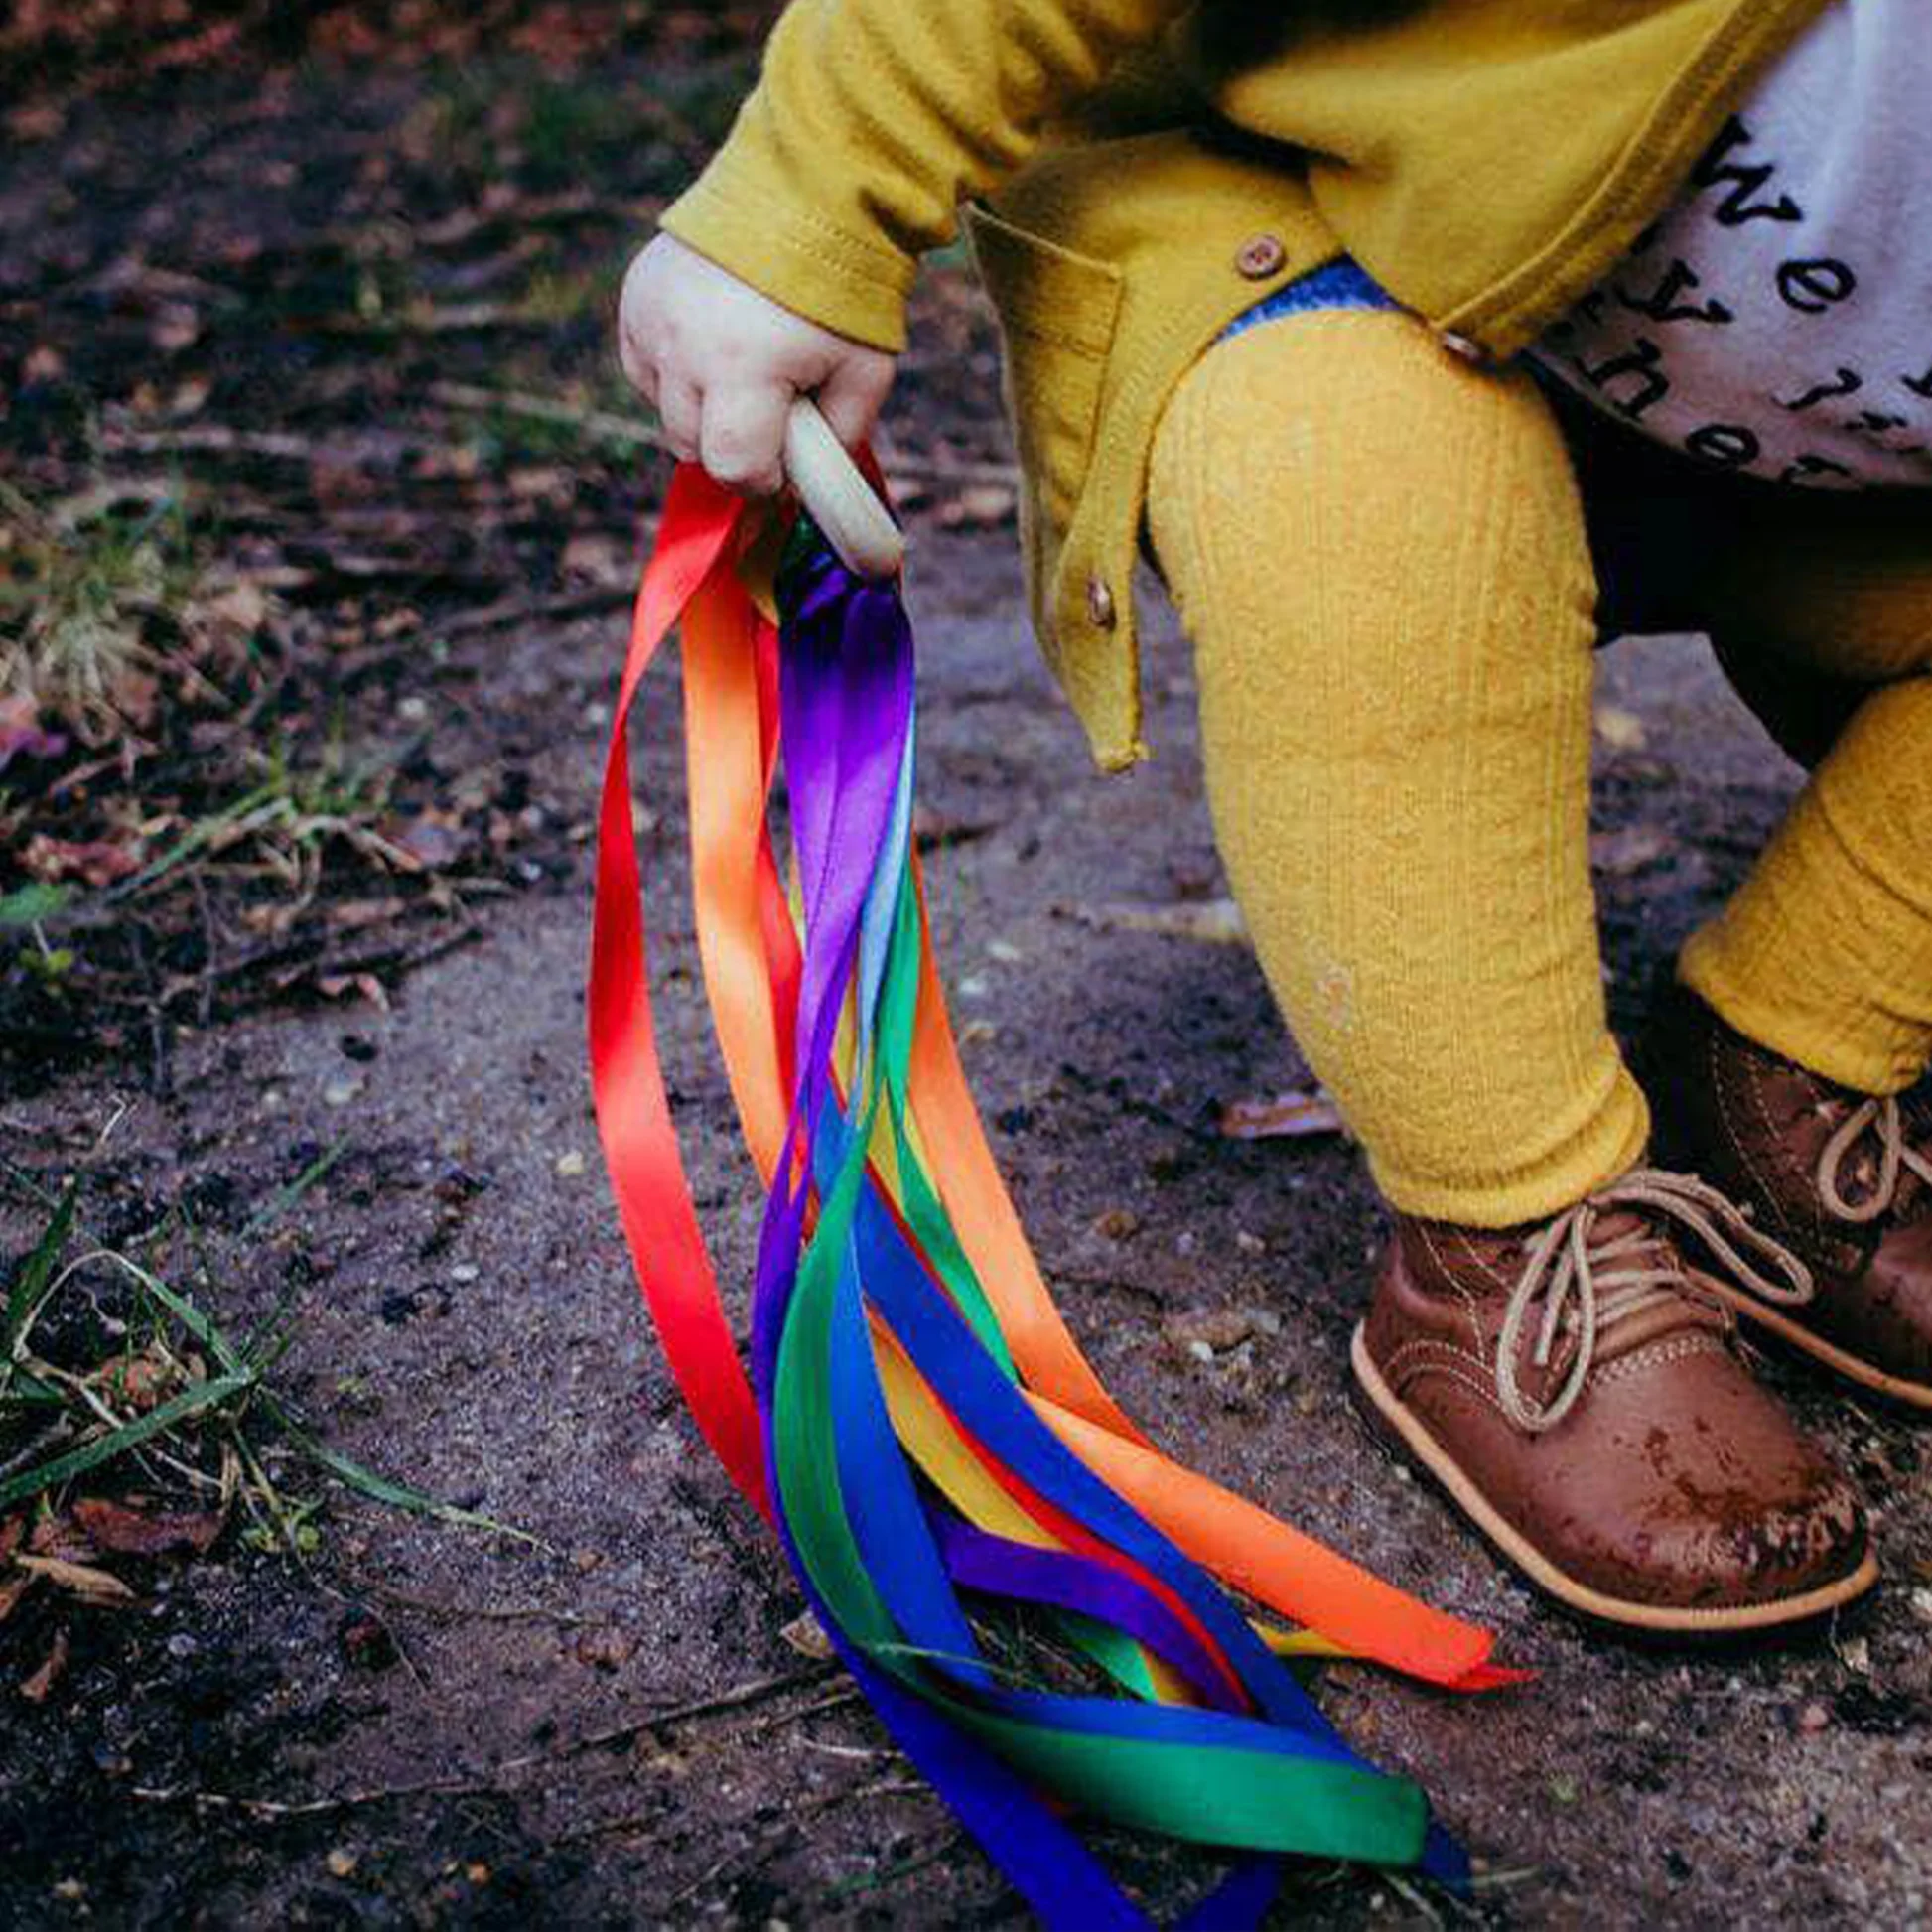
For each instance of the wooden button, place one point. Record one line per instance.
(1261, 256)
(1100, 602)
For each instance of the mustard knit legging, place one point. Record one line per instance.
(1381, 557)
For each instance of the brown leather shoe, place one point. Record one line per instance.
(1841, 1179)
(1575, 1388)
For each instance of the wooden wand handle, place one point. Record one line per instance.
(841, 501)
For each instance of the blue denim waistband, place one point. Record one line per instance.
(1340, 284)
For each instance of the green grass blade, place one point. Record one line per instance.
(196, 1401)
(380, 1489)
(31, 1283)
(284, 1199)
(204, 832)
(31, 903)
(189, 1315)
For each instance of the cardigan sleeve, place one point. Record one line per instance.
(873, 120)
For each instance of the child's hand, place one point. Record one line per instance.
(723, 363)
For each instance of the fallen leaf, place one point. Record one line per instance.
(94, 862)
(132, 1531)
(98, 1587)
(1217, 921)
(34, 1688)
(1286, 1116)
(138, 1381)
(433, 838)
(807, 1636)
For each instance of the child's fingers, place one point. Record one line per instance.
(744, 433)
(680, 407)
(852, 396)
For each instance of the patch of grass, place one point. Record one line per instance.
(83, 584)
(110, 1373)
(286, 822)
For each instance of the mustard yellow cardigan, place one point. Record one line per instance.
(1155, 166)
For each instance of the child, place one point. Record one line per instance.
(1423, 339)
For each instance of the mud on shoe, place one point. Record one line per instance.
(1844, 1179)
(1576, 1387)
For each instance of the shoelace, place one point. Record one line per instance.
(1896, 1158)
(1604, 1283)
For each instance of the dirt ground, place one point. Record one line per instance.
(421, 1724)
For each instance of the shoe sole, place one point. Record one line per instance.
(1916, 1394)
(1411, 1436)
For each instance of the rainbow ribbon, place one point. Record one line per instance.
(918, 1424)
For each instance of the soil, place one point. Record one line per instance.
(616, 1724)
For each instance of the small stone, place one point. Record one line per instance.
(464, 1271)
(1200, 1351)
(1005, 952)
(180, 1644)
(1620, 730)
(1813, 1719)
(341, 1863)
(1117, 1224)
(570, 1164)
(1921, 1604)
(1249, 1244)
(341, 1093)
(413, 710)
